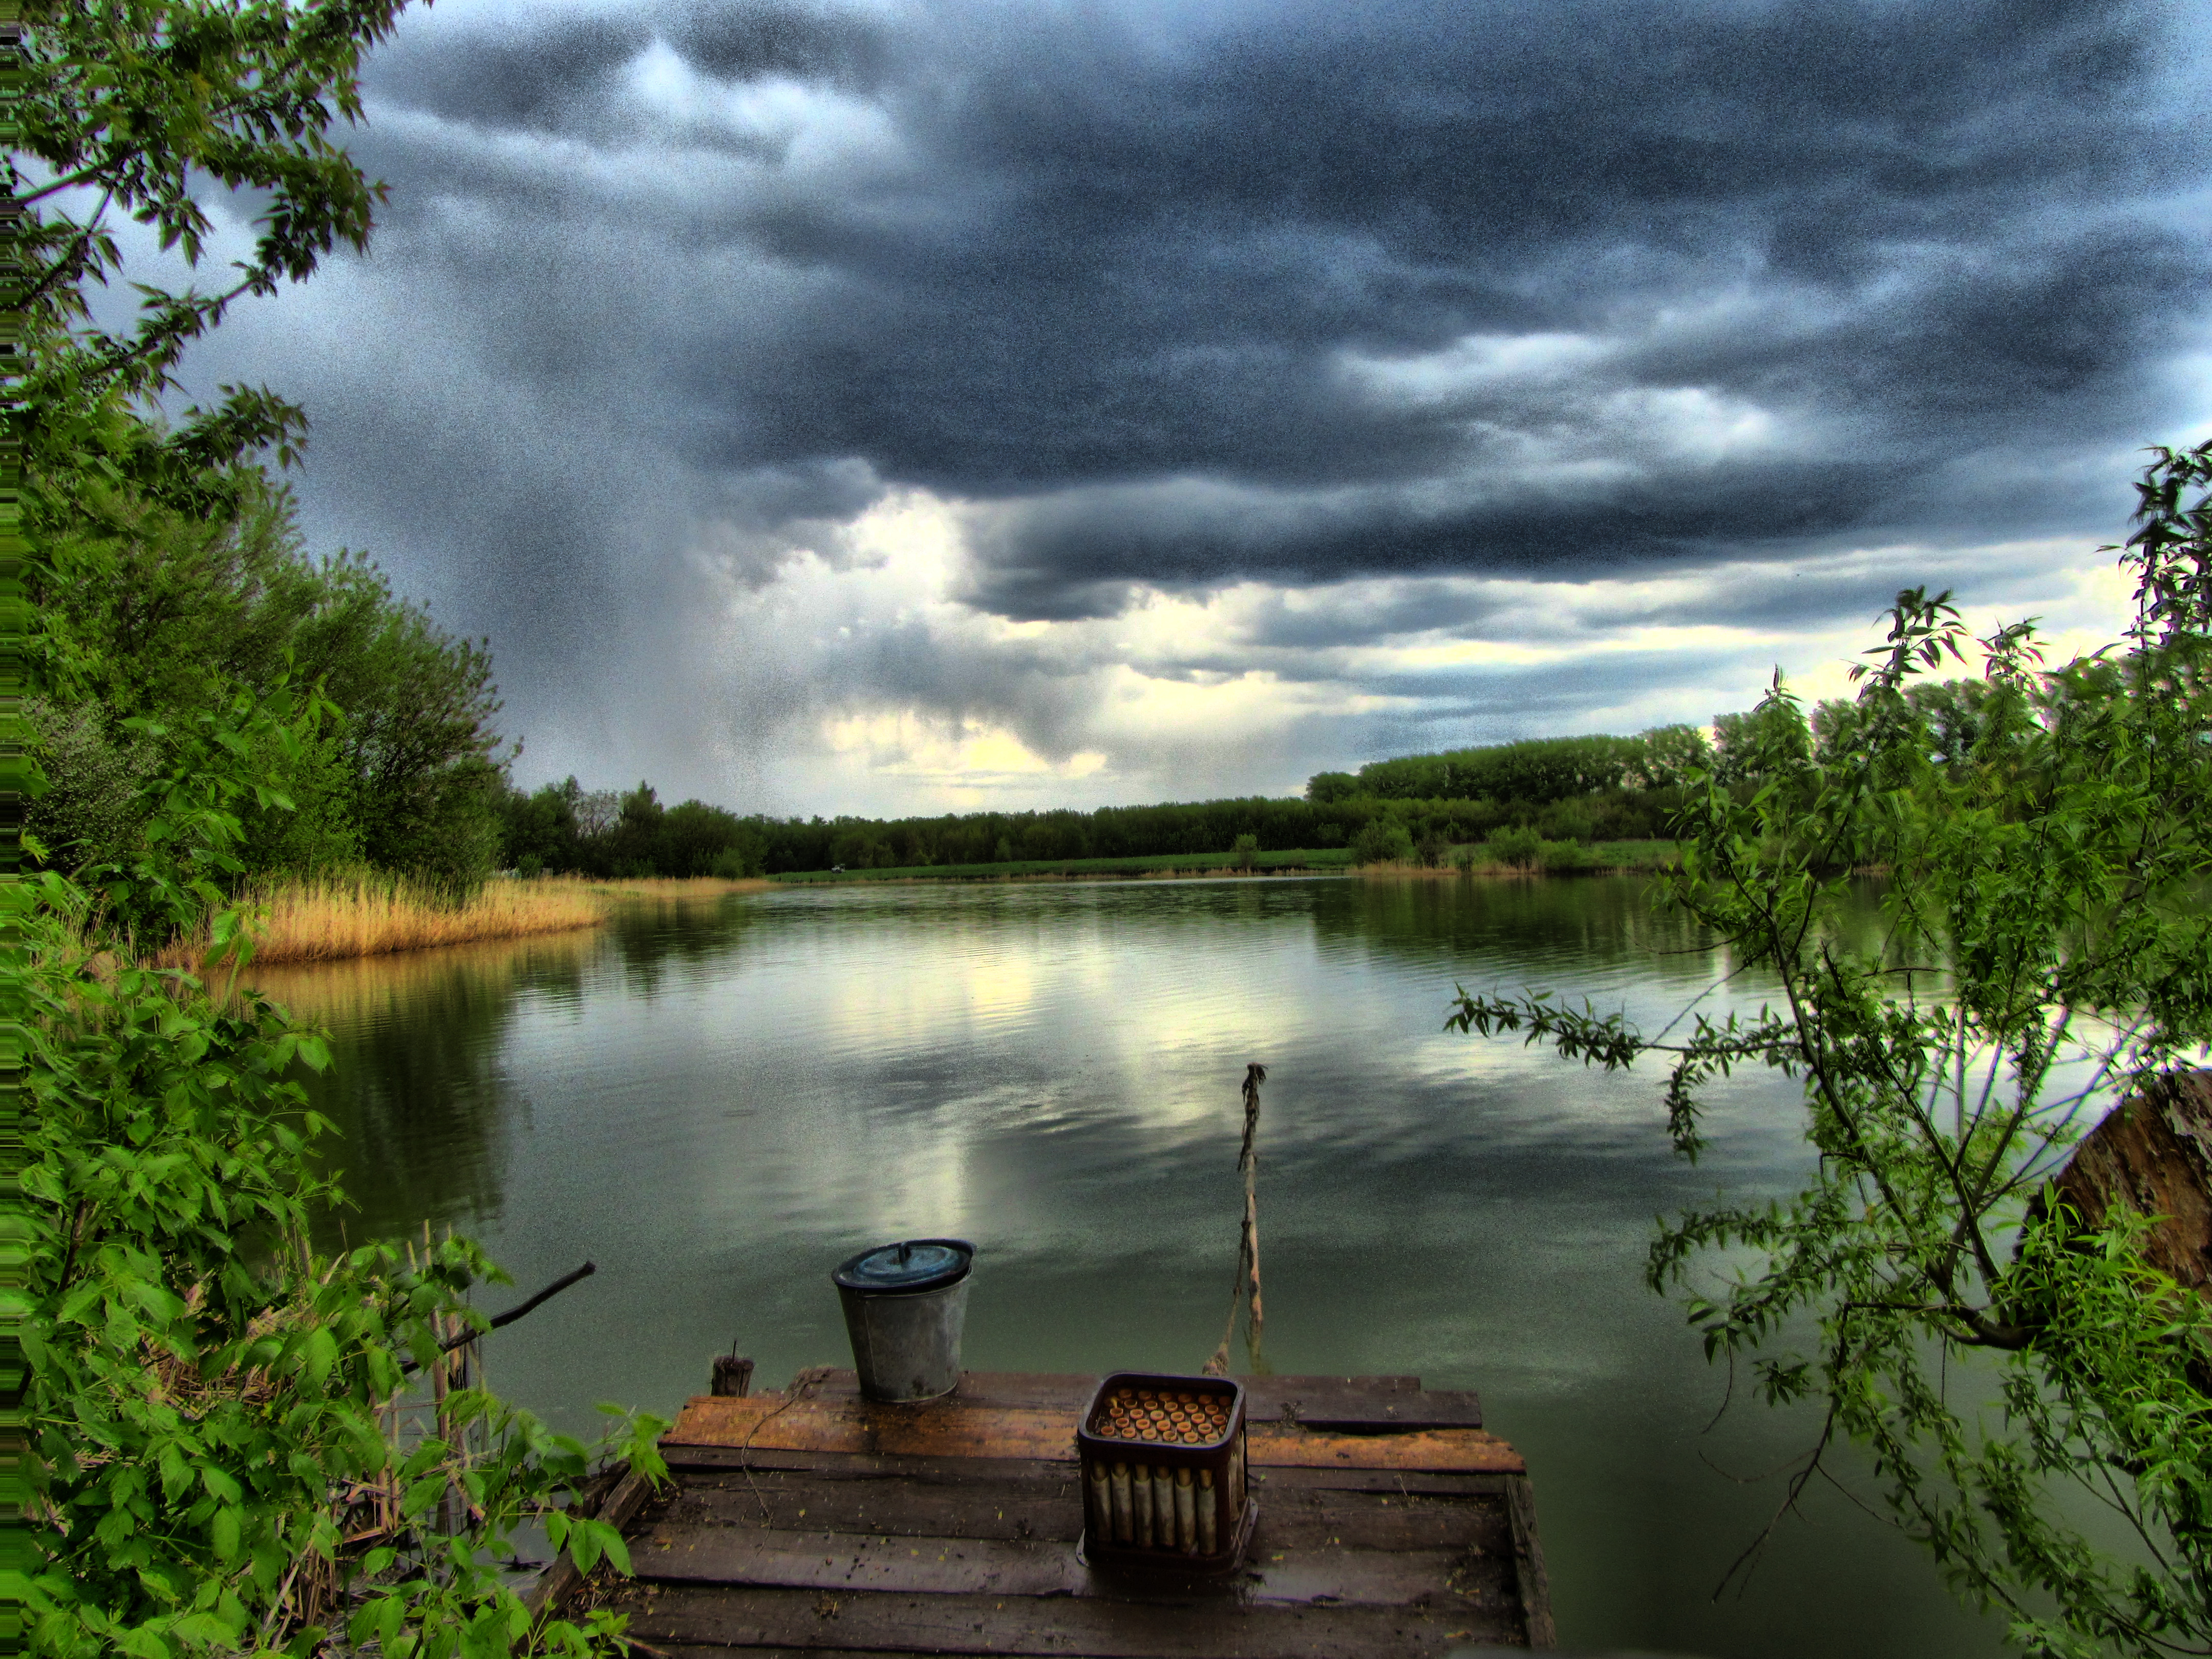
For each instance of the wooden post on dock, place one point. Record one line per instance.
(733, 1378)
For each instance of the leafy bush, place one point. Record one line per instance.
(1247, 851)
(1564, 857)
(196, 1403)
(2045, 953)
(1520, 847)
(1382, 840)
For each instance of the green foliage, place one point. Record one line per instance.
(1773, 740)
(141, 103)
(145, 606)
(1532, 772)
(205, 1393)
(193, 1396)
(1384, 840)
(1518, 848)
(1559, 858)
(560, 828)
(1246, 852)
(2045, 950)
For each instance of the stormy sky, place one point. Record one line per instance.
(898, 407)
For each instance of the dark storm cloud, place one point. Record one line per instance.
(1107, 263)
(1317, 364)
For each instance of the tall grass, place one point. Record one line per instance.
(332, 917)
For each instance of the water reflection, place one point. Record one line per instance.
(718, 1102)
(425, 1111)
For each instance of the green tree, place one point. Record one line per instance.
(2046, 951)
(157, 604)
(1774, 740)
(416, 742)
(539, 832)
(1671, 754)
(189, 1389)
(1382, 840)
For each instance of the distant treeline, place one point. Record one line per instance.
(562, 828)
(1562, 789)
(1532, 773)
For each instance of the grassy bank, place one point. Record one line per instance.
(1602, 858)
(331, 918)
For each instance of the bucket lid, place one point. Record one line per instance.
(915, 1264)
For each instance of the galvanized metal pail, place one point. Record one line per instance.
(904, 1307)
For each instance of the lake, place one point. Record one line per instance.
(717, 1102)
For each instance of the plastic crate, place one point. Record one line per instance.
(1163, 1462)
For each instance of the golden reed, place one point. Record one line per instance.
(331, 918)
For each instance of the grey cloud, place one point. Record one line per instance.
(1109, 282)
(743, 43)
(1109, 264)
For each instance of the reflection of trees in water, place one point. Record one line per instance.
(653, 936)
(1577, 922)
(1583, 920)
(415, 1086)
(423, 1108)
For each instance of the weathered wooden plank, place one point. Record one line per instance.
(1352, 1404)
(1326, 1406)
(1072, 1389)
(941, 1429)
(951, 1470)
(1411, 1483)
(842, 1561)
(1019, 1507)
(1534, 1586)
(772, 1423)
(811, 1620)
(690, 1461)
(1445, 1450)
(1029, 1508)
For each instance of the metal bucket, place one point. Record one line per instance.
(904, 1307)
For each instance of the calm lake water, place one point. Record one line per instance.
(716, 1102)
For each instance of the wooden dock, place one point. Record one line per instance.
(812, 1521)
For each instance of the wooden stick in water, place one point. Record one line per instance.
(1246, 1289)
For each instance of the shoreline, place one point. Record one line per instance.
(1299, 862)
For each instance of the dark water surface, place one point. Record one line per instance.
(718, 1101)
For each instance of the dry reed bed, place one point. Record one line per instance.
(334, 919)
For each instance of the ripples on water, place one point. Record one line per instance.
(716, 1102)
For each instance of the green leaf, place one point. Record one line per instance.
(204, 1629)
(318, 1355)
(176, 1473)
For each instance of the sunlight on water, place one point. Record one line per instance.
(717, 1102)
